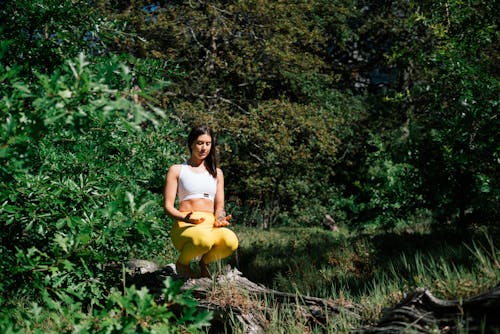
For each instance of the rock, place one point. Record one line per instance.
(136, 266)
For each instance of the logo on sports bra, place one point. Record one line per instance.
(206, 195)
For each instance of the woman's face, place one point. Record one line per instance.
(201, 146)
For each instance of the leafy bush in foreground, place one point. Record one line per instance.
(130, 311)
(82, 166)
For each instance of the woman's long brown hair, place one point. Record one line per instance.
(211, 159)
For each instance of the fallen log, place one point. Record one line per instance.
(236, 301)
(421, 312)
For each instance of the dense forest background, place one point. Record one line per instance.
(379, 115)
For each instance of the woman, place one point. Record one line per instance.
(198, 230)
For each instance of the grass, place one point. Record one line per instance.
(372, 270)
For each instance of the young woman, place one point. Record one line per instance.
(199, 229)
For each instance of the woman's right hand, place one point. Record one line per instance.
(190, 220)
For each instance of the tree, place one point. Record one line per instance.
(454, 93)
(249, 62)
(43, 33)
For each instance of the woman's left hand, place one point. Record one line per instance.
(223, 221)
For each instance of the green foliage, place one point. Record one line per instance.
(45, 32)
(391, 188)
(236, 53)
(136, 311)
(430, 73)
(454, 97)
(283, 153)
(128, 311)
(82, 169)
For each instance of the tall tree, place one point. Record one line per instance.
(441, 111)
(42, 33)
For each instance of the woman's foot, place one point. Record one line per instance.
(184, 270)
(204, 269)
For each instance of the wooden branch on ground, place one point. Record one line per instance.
(237, 301)
(242, 295)
(421, 312)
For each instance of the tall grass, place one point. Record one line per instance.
(371, 271)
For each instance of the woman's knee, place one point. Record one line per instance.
(205, 242)
(230, 240)
(233, 244)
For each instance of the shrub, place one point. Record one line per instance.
(82, 171)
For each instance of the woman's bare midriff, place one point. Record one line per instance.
(196, 204)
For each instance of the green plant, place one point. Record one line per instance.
(128, 311)
(82, 170)
(453, 94)
(44, 33)
(136, 310)
(390, 189)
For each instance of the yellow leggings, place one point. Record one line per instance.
(202, 240)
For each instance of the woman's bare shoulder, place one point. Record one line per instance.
(220, 173)
(175, 169)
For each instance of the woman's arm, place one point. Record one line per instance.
(220, 214)
(219, 193)
(170, 191)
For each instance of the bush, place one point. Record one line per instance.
(82, 171)
(128, 311)
(44, 33)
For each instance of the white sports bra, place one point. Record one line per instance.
(195, 185)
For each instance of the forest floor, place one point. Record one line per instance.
(374, 270)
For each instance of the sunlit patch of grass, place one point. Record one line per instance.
(313, 257)
(450, 271)
(380, 293)
(445, 278)
(288, 320)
